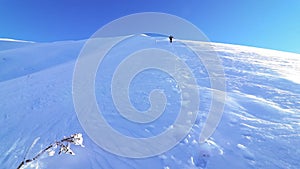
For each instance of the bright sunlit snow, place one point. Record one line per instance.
(260, 127)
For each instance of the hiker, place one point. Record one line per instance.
(171, 38)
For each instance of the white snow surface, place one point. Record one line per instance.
(260, 127)
(14, 40)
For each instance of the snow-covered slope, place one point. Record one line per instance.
(6, 43)
(260, 127)
(35, 57)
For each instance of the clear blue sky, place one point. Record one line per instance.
(273, 24)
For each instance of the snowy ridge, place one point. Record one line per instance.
(15, 40)
(260, 127)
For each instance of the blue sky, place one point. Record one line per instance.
(273, 24)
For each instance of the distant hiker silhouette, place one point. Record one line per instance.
(171, 38)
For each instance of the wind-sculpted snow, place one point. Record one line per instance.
(260, 127)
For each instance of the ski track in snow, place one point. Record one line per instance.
(260, 127)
